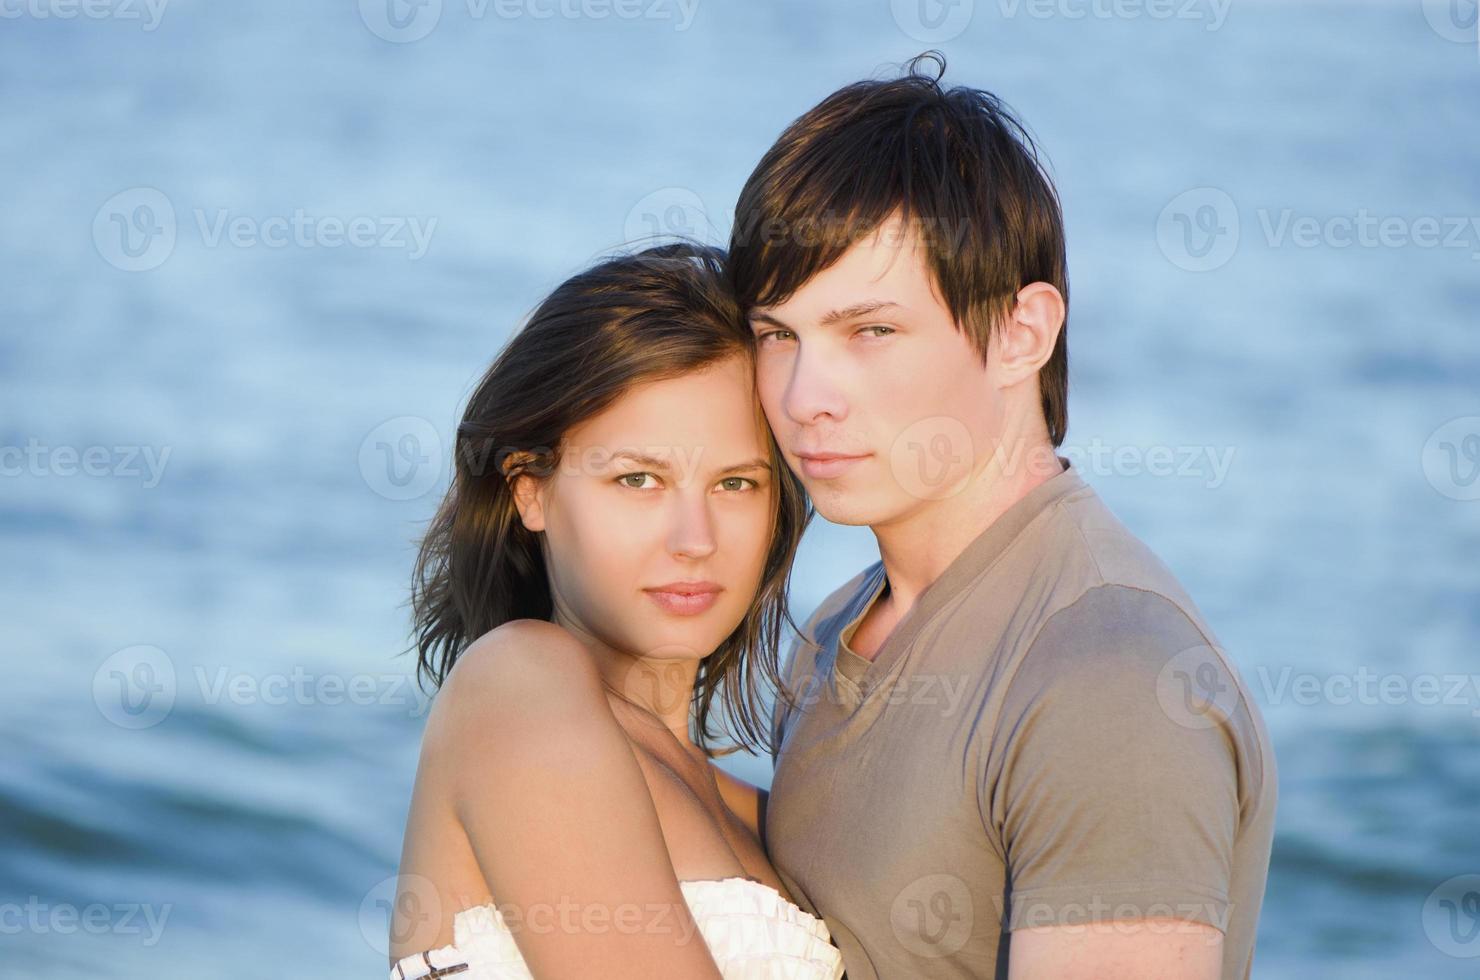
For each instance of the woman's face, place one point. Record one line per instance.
(671, 487)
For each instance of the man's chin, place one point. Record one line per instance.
(852, 509)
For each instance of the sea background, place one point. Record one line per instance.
(206, 724)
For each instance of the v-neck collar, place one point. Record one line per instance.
(860, 673)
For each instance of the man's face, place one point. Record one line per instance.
(879, 402)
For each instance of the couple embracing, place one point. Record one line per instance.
(1010, 748)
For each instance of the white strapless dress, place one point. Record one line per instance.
(752, 931)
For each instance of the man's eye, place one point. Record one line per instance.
(878, 326)
(774, 334)
(626, 478)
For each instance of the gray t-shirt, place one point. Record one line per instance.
(1050, 736)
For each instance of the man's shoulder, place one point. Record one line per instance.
(830, 615)
(1088, 547)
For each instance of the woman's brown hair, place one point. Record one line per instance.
(656, 314)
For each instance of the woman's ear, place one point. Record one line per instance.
(526, 491)
(1028, 333)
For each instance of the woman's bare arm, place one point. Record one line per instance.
(744, 800)
(558, 813)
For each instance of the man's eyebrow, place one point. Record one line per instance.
(834, 316)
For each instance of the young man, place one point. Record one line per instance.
(1016, 748)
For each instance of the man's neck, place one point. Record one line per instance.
(920, 546)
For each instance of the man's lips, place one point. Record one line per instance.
(826, 465)
(830, 455)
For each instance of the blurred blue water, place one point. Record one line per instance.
(260, 577)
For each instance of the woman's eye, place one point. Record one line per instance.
(626, 479)
(737, 483)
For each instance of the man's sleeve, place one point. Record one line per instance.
(1112, 783)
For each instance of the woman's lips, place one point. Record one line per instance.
(687, 603)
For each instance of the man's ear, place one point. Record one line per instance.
(526, 491)
(1027, 335)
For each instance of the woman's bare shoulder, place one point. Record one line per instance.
(525, 677)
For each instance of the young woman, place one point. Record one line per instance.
(605, 580)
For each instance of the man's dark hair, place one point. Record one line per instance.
(955, 163)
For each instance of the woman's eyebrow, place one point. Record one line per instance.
(662, 464)
(754, 464)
